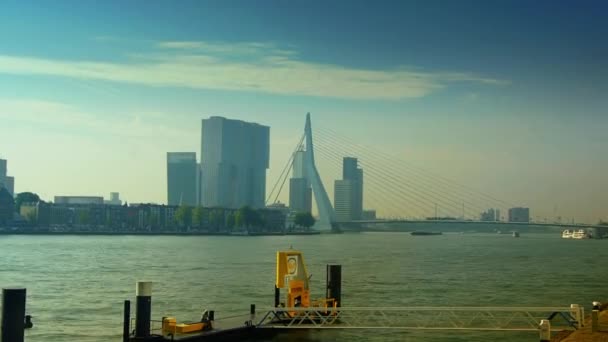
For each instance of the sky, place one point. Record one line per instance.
(508, 98)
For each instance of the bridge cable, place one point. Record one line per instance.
(420, 171)
(387, 173)
(456, 202)
(386, 190)
(368, 193)
(286, 168)
(383, 192)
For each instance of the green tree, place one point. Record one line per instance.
(183, 215)
(25, 197)
(197, 216)
(230, 221)
(239, 219)
(214, 220)
(304, 219)
(249, 218)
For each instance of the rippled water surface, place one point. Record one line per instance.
(76, 284)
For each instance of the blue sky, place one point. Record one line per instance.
(103, 89)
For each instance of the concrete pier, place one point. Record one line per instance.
(587, 333)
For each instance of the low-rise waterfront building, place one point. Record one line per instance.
(78, 200)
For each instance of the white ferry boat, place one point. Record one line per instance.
(580, 234)
(567, 234)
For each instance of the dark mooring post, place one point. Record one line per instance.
(334, 283)
(13, 315)
(143, 314)
(126, 322)
(277, 296)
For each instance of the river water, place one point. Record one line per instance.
(76, 284)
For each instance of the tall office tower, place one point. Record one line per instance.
(300, 190)
(352, 173)
(234, 159)
(343, 200)
(199, 179)
(2, 169)
(181, 178)
(9, 183)
(6, 181)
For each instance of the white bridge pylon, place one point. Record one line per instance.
(425, 318)
(326, 210)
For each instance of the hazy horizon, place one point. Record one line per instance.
(506, 98)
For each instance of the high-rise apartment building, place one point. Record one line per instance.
(181, 178)
(234, 160)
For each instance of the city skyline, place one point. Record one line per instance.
(509, 105)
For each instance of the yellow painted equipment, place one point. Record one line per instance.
(291, 274)
(171, 327)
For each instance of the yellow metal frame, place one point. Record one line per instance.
(283, 268)
(291, 273)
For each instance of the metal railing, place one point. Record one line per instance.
(423, 318)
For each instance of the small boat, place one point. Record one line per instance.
(567, 234)
(580, 235)
(516, 234)
(425, 233)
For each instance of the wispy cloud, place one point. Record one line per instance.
(66, 116)
(259, 67)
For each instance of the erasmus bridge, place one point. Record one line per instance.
(402, 194)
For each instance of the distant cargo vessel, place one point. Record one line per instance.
(426, 233)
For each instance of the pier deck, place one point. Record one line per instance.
(585, 334)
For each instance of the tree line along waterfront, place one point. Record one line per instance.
(27, 213)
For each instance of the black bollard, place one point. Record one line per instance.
(334, 283)
(13, 315)
(126, 322)
(277, 296)
(28, 322)
(143, 314)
